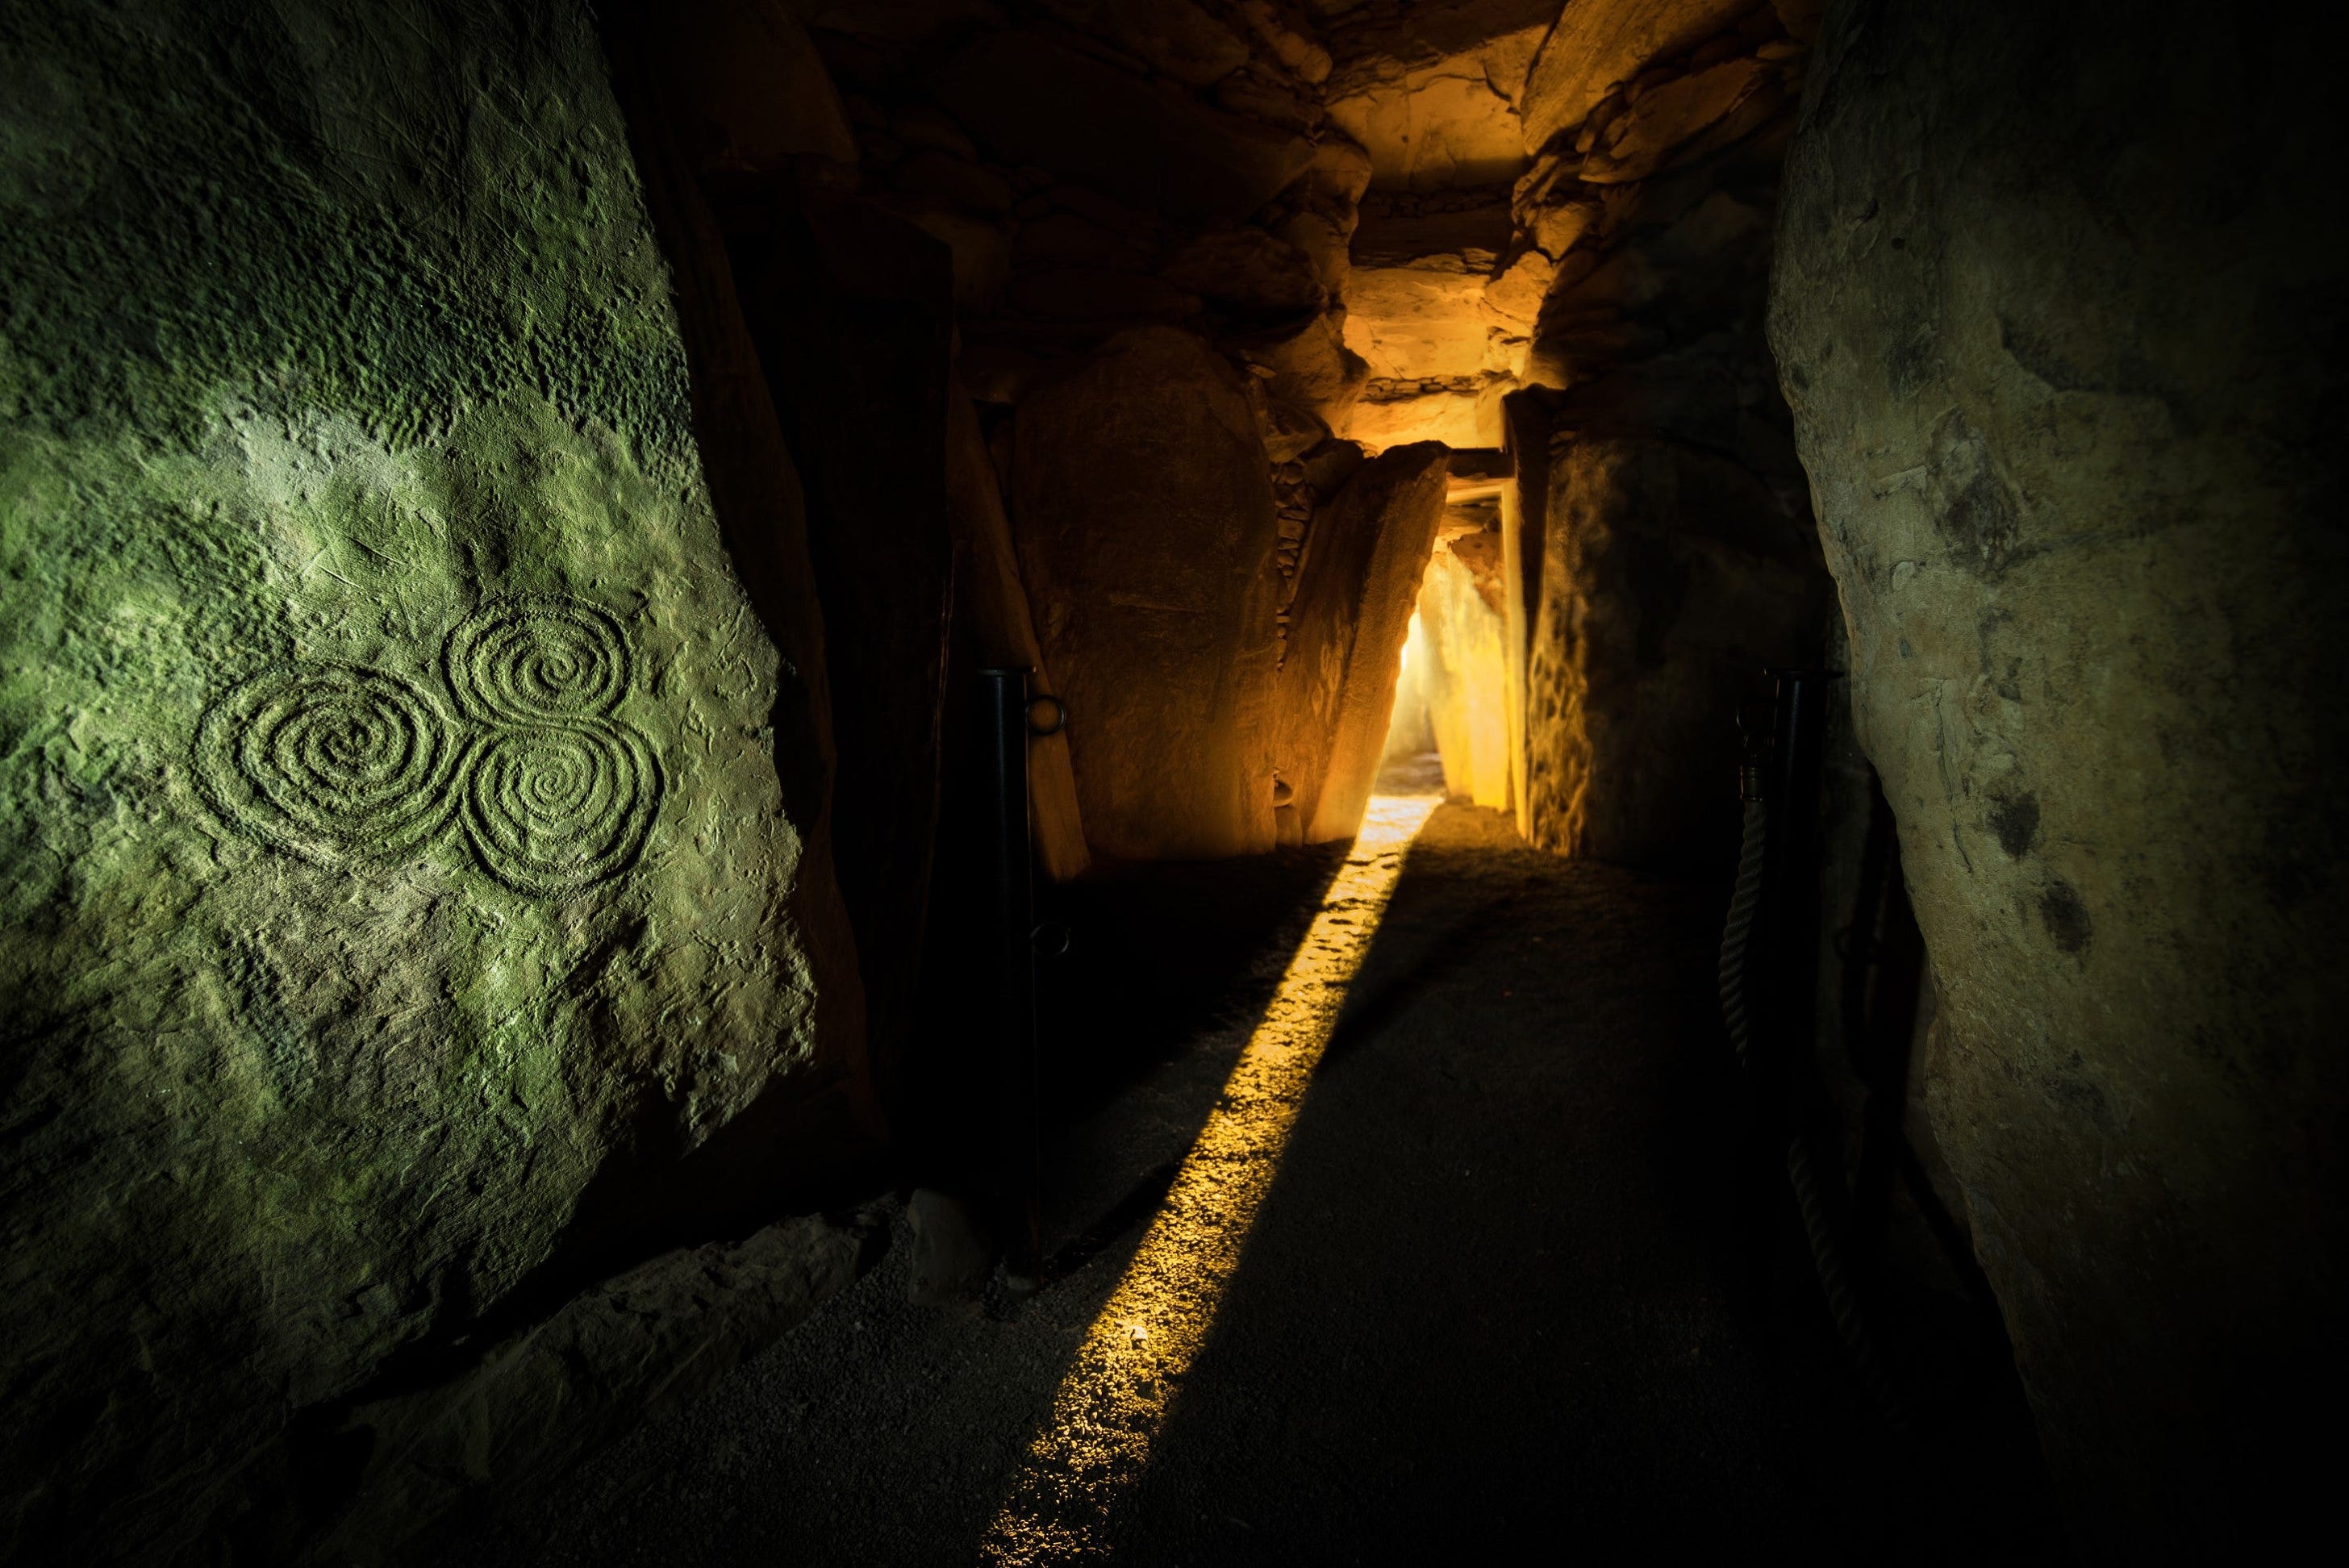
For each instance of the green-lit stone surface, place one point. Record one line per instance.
(389, 827)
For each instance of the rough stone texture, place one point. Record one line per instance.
(1289, 38)
(1669, 576)
(1458, 294)
(1659, 234)
(1455, 417)
(1500, 36)
(1142, 506)
(1668, 114)
(1324, 204)
(1433, 93)
(1596, 45)
(1417, 312)
(406, 818)
(1525, 525)
(1355, 588)
(1646, 608)
(1435, 130)
(1418, 321)
(1310, 366)
(1624, 270)
(1098, 167)
(2059, 308)
(637, 1348)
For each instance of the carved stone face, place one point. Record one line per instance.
(407, 841)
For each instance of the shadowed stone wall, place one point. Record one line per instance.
(2059, 307)
(1656, 548)
(1109, 174)
(1670, 577)
(1145, 519)
(408, 828)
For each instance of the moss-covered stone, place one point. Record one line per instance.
(390, 833)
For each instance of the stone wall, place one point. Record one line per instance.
(1346, 630)
(1112, 180)
(1437, 305)
(1144, 511)
(1098, 167)
(1479, 198)
(2058, 308)
(412, 827)
(1656, 548)
(1668, 582)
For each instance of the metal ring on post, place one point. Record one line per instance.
(1047, 715)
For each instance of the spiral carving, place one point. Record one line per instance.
(339, 763)
(330, 762)
(537, 659)
(553, 809)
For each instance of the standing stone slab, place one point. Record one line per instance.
(2058, 306)
(1355, 588)
(1669, 578)
(392, 837)
(1144, 511)
(1525, 517)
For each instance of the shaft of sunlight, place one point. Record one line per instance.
(1111, 1404)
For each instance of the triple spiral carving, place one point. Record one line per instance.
(342, 764)
(537, 659)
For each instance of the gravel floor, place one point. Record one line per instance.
(1488, 1307)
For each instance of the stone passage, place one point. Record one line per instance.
(341, 764)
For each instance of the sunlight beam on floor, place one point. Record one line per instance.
(1111, 1406)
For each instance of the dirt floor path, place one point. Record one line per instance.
(1487, 1308)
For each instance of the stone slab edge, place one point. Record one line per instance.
(643, 1345)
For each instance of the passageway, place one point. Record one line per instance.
(1495, 1294)
(1672, 665)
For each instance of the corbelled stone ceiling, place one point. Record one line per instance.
(1371, 201)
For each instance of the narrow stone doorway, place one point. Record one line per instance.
(1450, 730)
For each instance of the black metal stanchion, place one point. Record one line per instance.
(1004, 697)
(1769, 974)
